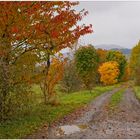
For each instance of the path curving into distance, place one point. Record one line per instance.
(97, 122)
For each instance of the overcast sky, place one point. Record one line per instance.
(113, 22)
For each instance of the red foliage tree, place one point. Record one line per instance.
(50, 24)
(36, 27)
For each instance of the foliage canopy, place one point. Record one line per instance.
(120, 58)
(109, 72)
(86, 60)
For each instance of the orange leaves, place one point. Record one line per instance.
(44, 22)
(14, 30)
(109, 72)
(55, 74)
(39, 27)
(58, 18)
(42, 28)
(56, 70)
(54, 34)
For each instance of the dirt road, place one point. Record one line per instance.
(98, 123)
(95, 121)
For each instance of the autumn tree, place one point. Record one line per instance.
(15, 32)
(137, 74)
(119, 57)
(135, 63)
(102, 55)
(102, 58)
(86, 60)
(55, 74)
(37, 28)
(127, 73)
(62, 31)
(109, 72)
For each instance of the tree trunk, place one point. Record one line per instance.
(44, 86)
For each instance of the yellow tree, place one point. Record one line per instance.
(102, 54)
(127, 73)
(135, 63)
(109, 72)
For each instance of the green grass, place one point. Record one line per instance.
(115, 99)
(137, 91)
(41, 113)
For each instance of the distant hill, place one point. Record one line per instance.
(124, 50)
(108, 46)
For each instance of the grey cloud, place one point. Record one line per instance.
(113, 22)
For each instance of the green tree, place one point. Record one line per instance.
(119, 57)
(86, 60)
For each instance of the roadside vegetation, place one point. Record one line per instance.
(135, 68)
(137, 91)
(135, 64)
